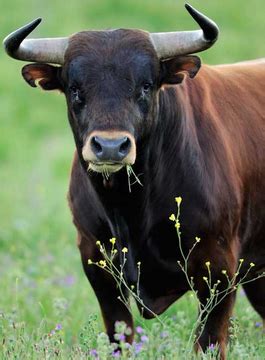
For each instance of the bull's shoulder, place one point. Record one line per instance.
(243, 80)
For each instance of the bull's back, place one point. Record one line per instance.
(230, 102)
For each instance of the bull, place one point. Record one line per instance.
(135, 99)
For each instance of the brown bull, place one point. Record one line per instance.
(132, 100)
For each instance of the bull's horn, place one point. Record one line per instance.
(171, 44)
(39, 50)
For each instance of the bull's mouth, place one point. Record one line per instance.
(105, 168)
(108, 168)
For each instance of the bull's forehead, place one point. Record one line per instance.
(110, 41)
(127, 54)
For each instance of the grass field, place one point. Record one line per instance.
(42, 284)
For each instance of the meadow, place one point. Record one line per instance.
(47, 307)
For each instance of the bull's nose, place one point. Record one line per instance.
(110, 149)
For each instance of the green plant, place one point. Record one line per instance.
(216, 295)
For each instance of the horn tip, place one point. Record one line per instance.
(38, 20)
(34, 23)
(30, 26)
(13, 40)
(210, 29)
(188, 6)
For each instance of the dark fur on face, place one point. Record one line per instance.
(110, 83)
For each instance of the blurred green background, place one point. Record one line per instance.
(39, 261)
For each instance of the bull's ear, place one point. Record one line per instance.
(174, 70)
(47, 76)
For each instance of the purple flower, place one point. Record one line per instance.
(212, 347)
(258, 324)
(121, 337)
(58, 327)
(93, 352)
(69, 280)
(137, 347)
(144, 338)
(139, 329)
(65, 281)
(116, 354)
(163, 334)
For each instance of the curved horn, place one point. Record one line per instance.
(171, 44)
(39, 50)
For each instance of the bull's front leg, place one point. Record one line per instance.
(216, 293)
(105, 288)
(214, 323)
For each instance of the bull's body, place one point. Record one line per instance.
(211, 152)
(202, 139)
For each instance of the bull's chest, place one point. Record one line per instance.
(152, 268)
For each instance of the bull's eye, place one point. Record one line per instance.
(75, 95)
(146, 87)
(145, 91)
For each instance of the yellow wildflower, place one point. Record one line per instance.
(125, 250)
(98, 243)
(112, 240)
(224, 272)
(89, 261)
(208, 263)
(172, 217)
(252, 264)
(178, 200)
(177, 225)
(102, 263)
(197, 239)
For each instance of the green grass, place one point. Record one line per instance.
(41, 279)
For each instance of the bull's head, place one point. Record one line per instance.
(110, 80)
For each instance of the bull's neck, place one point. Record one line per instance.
(174, 160)
(174, 134)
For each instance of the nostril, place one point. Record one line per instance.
(125, 146)
(96, 146)
(110, 149)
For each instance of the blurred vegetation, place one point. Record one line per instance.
(39, 262)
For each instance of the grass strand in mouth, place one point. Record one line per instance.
(130, 172)
(89, 169)
(105, 173)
